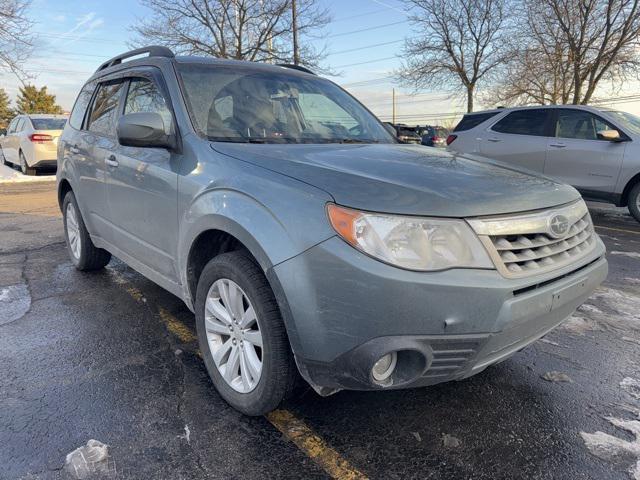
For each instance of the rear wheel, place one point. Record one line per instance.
(84, 254)
(242, 336)
(24, 167)
(634, 201)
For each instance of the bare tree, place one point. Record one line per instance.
(258, 30)
(15, 40)
(567, 48)
(458, 45)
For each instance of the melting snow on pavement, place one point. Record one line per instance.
(15, 301)
(615, 449)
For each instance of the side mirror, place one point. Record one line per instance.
(609, 135)
(144, 129)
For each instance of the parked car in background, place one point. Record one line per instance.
(31, 142)
(434, 136)
(597, 150)
(304, 237)
(406, 134)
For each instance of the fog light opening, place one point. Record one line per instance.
(383, 368)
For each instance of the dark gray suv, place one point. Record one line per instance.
(305, 238)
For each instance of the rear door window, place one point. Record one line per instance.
(524, 122)
(580, 125)
(80, 107)
(103, 110)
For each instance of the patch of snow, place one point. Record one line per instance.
(579, 325)
(556, 377)
(626, 254)
(187, 434)
(90, 460)
(449, 441)
(625, 304)
(417, 436)
(631, 386)
(15, 301)
(614, 449)
(9, 175)
(631, 340)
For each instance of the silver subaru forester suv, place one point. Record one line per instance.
(307, 241)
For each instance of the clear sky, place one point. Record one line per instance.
(363, 41)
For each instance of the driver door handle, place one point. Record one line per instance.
(111, 161)
(494, 140)
(557, 145)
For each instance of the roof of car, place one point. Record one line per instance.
(161, 55)
(533, 107)
(47, 115)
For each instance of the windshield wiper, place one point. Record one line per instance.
(355, 140)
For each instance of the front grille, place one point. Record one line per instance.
(522, 245)
(532, 252)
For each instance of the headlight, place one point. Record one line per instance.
(413, 243)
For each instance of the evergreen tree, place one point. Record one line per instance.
(32, 100)
(6, 114)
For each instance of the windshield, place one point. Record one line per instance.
(48, 123)
(245, 104)
(628, 121)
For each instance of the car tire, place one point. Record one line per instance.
(278, 372)
(634, 201)
(24, 167)
(84, 254)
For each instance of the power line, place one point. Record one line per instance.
(376, 60)
(365, 47)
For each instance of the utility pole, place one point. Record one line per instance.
(393, 97)
(294, 20)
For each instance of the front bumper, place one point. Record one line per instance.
(344, 310)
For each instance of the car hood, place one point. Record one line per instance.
(406, 179)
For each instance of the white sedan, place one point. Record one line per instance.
(31, 142)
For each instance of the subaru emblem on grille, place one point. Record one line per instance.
(558, 226)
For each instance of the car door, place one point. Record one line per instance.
(97, 143)
(578, 157)
(14, 142)
(142, 185)
(6, 142)
(519, 138)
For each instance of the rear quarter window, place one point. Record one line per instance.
(80, 107)
(471, 121)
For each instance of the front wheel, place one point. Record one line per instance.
(634, 201)
(24, 167)
(84, 254)
(242, 335)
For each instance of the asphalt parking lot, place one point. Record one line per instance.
(112, 357)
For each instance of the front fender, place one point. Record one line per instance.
(272, 234)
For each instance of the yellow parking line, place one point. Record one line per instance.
(176, 327)
(618, 229)
(286, 422)
(313, 446)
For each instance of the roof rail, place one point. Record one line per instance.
(153, 51)
(296, 67)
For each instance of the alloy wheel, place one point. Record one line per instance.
(73, 230)
(233, 335)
